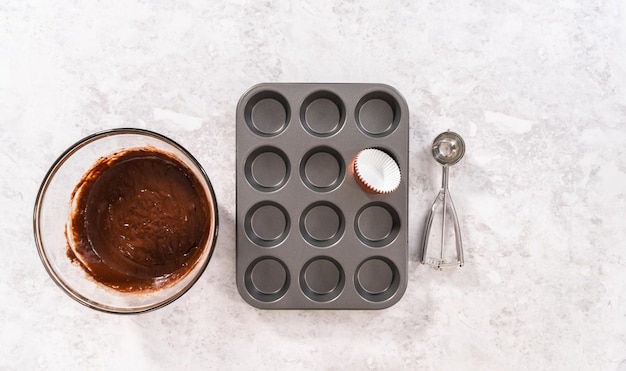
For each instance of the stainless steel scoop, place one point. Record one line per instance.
(448, 148)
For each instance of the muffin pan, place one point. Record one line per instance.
(308, 236)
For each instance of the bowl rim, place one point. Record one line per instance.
(54, 168)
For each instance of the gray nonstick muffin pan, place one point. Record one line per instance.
(308, 236)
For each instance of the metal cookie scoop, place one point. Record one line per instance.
(448, 149)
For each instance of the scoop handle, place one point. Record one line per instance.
(447, 206)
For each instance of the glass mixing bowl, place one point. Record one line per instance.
(53, 209)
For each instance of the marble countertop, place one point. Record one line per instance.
(538, 92)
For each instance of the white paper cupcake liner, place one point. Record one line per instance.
(376, 171)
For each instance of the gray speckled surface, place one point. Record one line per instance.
(537, 90)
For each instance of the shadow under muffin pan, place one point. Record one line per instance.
(308, 236)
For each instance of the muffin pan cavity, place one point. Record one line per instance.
(377, 224)
(322, 279)
(308, 235)
(267, 224)
(267, 169)
(378, 114)
(377, 279)
(322, 224)
(322, 113)
(267, 113)
(322, 169)
(266, 279)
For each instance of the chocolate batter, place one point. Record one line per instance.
(140, 220)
